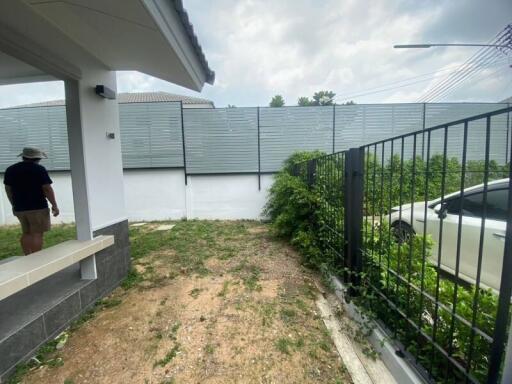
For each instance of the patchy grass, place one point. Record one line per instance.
(249, 273)
(10, 238)
(288, 315)
(205, 299)
(268, 311)
(287, 345)
(182, 250)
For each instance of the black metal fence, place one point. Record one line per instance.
(423, 236)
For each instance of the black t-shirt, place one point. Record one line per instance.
(26, 180)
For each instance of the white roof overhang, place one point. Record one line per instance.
(62, 38)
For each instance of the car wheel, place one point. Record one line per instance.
(402, 231)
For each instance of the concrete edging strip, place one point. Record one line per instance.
(398, 367)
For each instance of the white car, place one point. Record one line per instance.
(412, 218)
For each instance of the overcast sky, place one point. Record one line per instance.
(260, 48)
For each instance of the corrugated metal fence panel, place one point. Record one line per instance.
(43, 127)
(151, 135)
(221, 140)
(437, 114)
(357, 125)
(225, 140)
(288, 129)
(58, 137)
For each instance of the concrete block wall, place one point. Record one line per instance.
(39, 313)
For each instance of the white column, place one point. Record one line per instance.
(77, 161)
(96, 165)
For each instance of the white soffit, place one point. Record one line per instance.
(14, 71)
(142, 35)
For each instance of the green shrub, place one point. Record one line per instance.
(292, 208)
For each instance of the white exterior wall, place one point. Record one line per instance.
(63, 191)
(161, 194)
(227, 197)
(154, 194)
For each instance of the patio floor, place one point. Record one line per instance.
(212, 302)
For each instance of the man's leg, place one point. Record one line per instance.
(37, 242)
(34, 224)
(26, 236)
(26, 243)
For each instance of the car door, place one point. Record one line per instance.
(470, 208)
(494, 238)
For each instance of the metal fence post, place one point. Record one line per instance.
(184, 146)
(502, 315)
(507, 367)
(334, 128)
(423, 123)
(259, 148)
(353, 200)
(311, 172)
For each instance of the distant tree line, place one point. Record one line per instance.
(319, 98)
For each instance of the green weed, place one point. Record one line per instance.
(168, 357)
(209, 349)
(195, 292)
(225, 288)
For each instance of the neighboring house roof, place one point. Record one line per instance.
(210, 75)
(134, 97)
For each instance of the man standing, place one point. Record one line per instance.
(28, 186)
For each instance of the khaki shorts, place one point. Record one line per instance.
(36, 221)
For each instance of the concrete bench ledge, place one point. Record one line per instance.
(21, 272)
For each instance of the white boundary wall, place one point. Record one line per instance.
(161, 194)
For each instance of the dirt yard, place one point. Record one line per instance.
(211, 302)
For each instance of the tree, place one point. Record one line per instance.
(277, 101)
(350, 102)
(231, 106)
(323, 98)
(319, 98)
(303, 101)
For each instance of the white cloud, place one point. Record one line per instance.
(17, 94)
(297, 47)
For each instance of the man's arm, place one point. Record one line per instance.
(50, 195)
(8, 192)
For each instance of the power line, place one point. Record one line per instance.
(482, 58)
(379, 88)
(475, 60)
(464, 77)
(494, 73)
(471, 61)
(371, 91)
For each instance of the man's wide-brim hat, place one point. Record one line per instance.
(33, 153)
